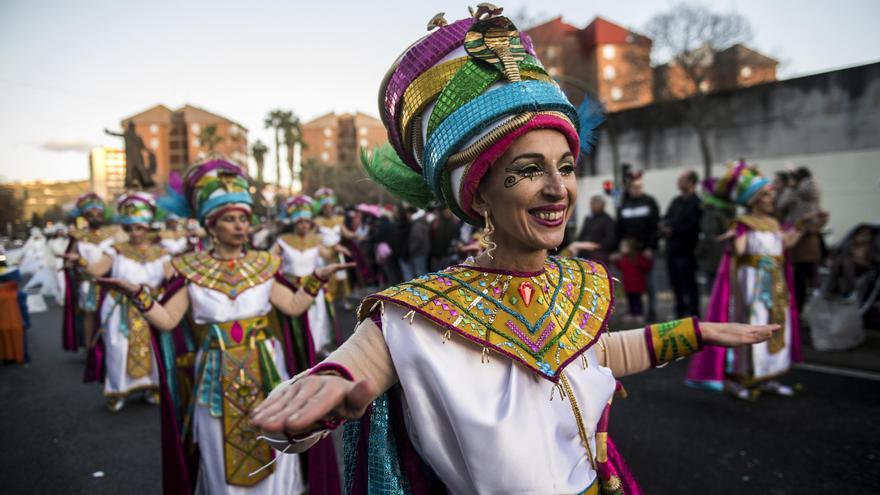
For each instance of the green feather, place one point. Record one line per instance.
(387, 169)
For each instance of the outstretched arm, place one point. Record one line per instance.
(296, 303)
(295, 407)
(166, 316)
(631, 351)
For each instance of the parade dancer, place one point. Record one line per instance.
(460, 365)
(754, 286)
(127, 358)
(214, 378)
(335, 233)
(82, 296)
(302, 251)
(174, 239)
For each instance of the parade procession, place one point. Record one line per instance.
(552, 264)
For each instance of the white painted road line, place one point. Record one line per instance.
(833, 370)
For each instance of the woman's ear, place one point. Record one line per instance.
(479, 204)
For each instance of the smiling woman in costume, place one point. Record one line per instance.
(501, 367)
(229, 292)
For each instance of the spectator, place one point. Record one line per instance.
(634, 264)
(801, 208)
(598, 233)
(681, 227)
(419, 243)
(444, 230)
(638, 217)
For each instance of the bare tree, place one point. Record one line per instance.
(691, 36)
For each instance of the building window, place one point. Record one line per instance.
(704, 86)
(327, 132)
(154, 143)
(745, 72)
(328, 143)
(364, 143)
(552, 71)
(616, 93)
(608, 52)
(325, 157)
(195, 128)
(609, 72)
(233, 130)
(551, 52)
(363, 131)
(154, 129)
(197, 142)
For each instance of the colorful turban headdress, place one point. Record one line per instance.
(86, 202)
(136, 208)
(454, 102)
(208, 189)
(739, 185)
(324, 196)
(298, 208)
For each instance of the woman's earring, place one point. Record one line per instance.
(488, 230)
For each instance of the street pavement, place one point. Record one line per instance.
(56, 435)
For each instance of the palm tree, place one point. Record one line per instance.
(277, 120)
(292, 136)
(259, 150)
(209, 138)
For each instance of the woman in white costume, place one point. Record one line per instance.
(302, 251)
(460, 365)
(128, 359)
(237, 356)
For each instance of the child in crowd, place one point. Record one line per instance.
(634, 265)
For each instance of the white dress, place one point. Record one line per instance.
(91, 253)
(477, 439)
(211, 306)
(756, 360)
(301, 263)
(114, 311)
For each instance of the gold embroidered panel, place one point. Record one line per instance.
(94, 236)
(543, 320)
(141, 254)
(329, 222)
(231, 277)
(301, 243)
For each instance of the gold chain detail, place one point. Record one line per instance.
(585, 439)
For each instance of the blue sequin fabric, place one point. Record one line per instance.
(384, 473)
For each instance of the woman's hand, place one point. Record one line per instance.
(736, 334)
(70, 259)
(297, 408)
(123, 286)
(339, 248)
(325, 272)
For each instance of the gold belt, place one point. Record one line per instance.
(753, 260)
(234, 333)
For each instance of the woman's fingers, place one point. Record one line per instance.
(296, 409)
(358, 398)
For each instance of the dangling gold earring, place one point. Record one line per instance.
(488, 230)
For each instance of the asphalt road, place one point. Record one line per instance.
(55, 433)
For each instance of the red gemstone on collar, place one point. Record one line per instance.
(526, 291)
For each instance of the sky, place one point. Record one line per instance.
(69, 69)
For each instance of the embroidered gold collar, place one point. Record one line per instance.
(140, 254)
(302, 243)
(94, 236)
(231, 277)
(172, 234)
(543, 320)
(329, 222)
(761, 223)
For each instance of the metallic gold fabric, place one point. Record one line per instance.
(543, 320)
(231, 277)
(139, 360)
(672, 340)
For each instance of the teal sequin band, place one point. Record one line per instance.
(384, 473)
(474, 116)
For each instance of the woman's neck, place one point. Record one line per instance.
(514, 261)
(227, 251)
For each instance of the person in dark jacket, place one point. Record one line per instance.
(444, 230)
(638, 217)
(681, 227)
(598, 233)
